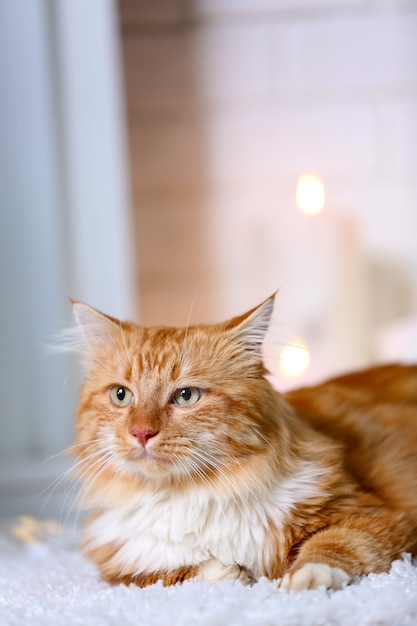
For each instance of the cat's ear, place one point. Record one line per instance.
(94, 328)
(251, 327)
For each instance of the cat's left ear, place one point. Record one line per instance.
(96, 328)
(251, 327)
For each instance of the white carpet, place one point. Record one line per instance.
(51, 583)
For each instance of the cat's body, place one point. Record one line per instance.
(194, 466)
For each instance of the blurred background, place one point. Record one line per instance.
(163, 155)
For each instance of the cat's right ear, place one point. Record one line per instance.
(94, 328)
(251, 327)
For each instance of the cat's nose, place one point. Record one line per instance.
(143, 434)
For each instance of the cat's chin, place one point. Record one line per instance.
(148, 464)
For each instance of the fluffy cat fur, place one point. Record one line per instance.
(229, 479)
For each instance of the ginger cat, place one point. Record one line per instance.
(194, 466)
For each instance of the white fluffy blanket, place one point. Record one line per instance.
(49, 582)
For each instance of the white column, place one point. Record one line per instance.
(94, 155)
(34, 409)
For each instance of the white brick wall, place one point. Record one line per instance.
(351, 56)
(273, 142)
(253, 7)
(229, 101)
(232, 60)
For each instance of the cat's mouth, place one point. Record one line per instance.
(146, 461)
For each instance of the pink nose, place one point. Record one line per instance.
(143, 435)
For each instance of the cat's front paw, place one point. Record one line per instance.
(214, 571)
(314, 575)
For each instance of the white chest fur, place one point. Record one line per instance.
(166, 530)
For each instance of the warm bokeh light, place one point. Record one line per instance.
(310, 194)
(295, 358)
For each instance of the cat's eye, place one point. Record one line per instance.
(121, 396)
(187, 396)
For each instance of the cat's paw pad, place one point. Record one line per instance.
(314, 575)
(214, 571)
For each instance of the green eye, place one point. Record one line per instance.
(187, 396)
(121, 396)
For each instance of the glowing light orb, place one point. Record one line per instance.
(310, 195)
(295, 358)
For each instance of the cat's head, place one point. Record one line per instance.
(172, 404)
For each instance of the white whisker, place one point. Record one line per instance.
(98, 468)
(124, 343)
(184, 343)
(93, 453)
(210, 462)
(190, 467)
(66, 474)
(70, 450)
